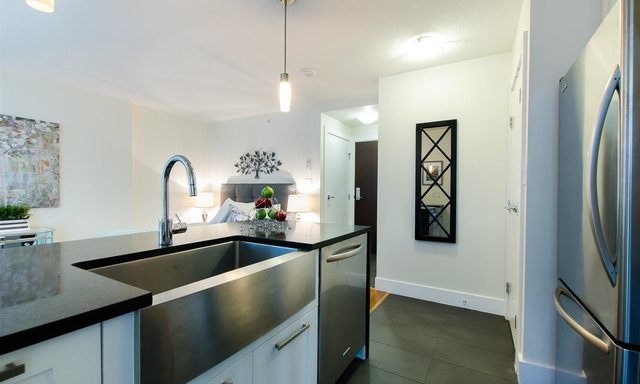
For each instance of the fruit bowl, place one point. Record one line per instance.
(266, 216)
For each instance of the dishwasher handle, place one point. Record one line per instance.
(344, 254)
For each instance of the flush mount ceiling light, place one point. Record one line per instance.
(46, 6)
(285, 85)
(426, 45)
(368, 117)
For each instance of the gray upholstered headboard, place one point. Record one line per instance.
(246, 193)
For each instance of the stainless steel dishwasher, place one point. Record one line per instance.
(343, 302)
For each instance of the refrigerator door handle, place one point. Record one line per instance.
(607, 259)
(602, 345)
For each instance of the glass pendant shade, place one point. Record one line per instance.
(41, 5)
(285, 93)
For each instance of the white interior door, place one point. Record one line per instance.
(515, 193)
(336, 179)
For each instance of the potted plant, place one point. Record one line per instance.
(14, 217)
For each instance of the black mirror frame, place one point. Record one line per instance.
(453, 125)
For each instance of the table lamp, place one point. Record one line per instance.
(204, 200)
(298, 204)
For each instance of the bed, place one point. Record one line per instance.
(238, 198)
(248, 193)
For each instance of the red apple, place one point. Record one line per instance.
(281, 215)
(262, 202)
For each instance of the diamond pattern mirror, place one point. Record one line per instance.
(436, 181)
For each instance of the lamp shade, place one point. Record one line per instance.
(299, 203)
(204, 200)
(41, 5)
(285, 93)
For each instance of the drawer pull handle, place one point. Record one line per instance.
(11, 370)
(341, 255)
(283, 344)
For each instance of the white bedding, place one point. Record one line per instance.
(232, 211)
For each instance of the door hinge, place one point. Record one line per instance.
(511, 122)
(507, 288)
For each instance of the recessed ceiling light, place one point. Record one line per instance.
(368, 117)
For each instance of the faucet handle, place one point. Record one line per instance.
(181, 227)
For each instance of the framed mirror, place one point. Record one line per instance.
(435, 209)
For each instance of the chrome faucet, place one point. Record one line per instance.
(165, 226)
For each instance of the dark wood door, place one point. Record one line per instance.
(367, 180)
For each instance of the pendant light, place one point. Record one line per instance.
(46, 6)
(285, 85)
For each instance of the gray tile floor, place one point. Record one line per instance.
(414, 341)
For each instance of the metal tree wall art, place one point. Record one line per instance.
(258, 162)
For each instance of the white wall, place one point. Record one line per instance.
(365, 133)
(558, 32)
(294, 136)
(111, 156)
(476, 93)
(95, 152)
(156, 137)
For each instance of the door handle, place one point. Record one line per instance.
(344, 254)
(329, 197)
(590, 337)
(280, 346)
(607, 259)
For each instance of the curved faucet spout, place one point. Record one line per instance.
(165, 236)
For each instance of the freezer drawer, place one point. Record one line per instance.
(585, 354)
(343, 320)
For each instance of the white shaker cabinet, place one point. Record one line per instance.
(289, 357)
(239, 373)
(71, 358)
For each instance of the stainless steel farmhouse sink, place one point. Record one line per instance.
(210, 302)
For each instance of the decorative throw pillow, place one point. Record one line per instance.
(238, 215)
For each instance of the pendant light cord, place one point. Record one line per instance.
(285, 35)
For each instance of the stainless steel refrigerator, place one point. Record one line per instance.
(598, 293)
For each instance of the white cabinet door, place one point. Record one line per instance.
(239, 373)
(290, 357)
(71, 358)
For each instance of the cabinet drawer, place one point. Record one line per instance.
(239, 373)
(71, 358)
(289, 357)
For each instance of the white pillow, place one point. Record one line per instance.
(223, 213)
(237, 215)
(226, 214)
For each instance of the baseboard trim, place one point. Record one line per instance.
(443, 296)
(535, 373)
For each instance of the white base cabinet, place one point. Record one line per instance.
(71, 358)
(289, 357)
(239, 373)
(287, 354)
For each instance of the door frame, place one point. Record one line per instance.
(323, 172)
(520, 70)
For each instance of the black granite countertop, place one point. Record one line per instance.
(45, 290)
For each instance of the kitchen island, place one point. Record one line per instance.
(46, 291)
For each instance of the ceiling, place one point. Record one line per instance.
(217, 60)
(349, 116)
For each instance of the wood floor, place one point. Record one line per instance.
(377, 297)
